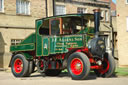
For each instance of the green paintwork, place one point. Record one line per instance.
(30, 39)
(28, 44)
(39, 51)
(59, 44)
(22, 47)
(46, 45)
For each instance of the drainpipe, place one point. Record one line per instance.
(53, 7)
(112, 29)
(46, 8)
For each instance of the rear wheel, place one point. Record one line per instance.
(19, 66)
(52, 72)
(108, 67)
(78, 66)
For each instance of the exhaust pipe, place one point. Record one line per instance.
(96, 21)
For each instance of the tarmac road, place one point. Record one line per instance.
(6, 78)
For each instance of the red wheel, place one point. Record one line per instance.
(107, 68)
(76, 66)
(18, 65)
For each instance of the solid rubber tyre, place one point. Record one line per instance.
(52, 72)
(19, 62)
(81, 72)
(31, 67)
(109, 67)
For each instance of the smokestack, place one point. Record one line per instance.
(96, 20)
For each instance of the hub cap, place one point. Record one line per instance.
(18, 65)
(76, 66)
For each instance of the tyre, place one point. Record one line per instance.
(31, 67)
(20, 66)
(108, 67)
(78, 66)
(52, 72)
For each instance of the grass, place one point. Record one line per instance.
(118, 72)
(122, 71)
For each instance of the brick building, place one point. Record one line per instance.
(122, 30)
(17, 19)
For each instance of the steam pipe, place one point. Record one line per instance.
(112, 30)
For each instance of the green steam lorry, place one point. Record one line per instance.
(64, 42)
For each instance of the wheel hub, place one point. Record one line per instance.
(76, 66)
(18, 65)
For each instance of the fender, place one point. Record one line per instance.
(26, 55)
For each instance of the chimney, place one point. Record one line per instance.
(96, 20)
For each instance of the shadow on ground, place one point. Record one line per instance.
(91, 76)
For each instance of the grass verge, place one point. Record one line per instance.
(121, 71)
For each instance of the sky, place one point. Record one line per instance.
(114, 1)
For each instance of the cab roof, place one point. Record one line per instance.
(86, 16)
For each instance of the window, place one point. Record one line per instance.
(102, 13)
(55, 27)
(1, 5)
(113, 13)
(81, 10)
(106, 15)
(16, 41)
(60, 10)
(44, 29)
(126, 1)
(23, 7)
(127, 22)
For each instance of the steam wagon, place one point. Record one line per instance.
(71, 42)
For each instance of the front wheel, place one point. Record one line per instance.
(108, 67)
(78, 66)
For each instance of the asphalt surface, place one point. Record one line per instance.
(6, 78)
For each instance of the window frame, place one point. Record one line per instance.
(102, 13)
(106, 16)
(126, 1)
(15, 41)
(61, 27)
(84, 10)
(2, 6)
(60, 12)
(19, 10)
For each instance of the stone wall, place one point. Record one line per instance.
(122, 9)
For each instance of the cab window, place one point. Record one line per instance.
(55, 27)
(44, 29)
